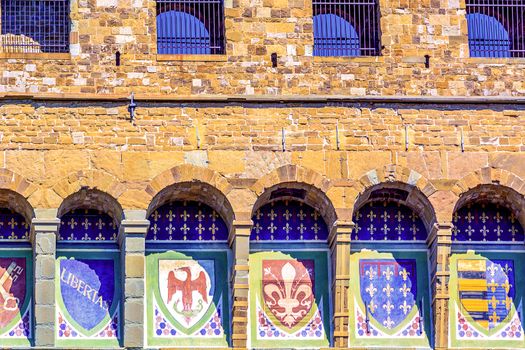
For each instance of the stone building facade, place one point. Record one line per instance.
(219, 144)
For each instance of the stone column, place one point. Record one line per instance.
(340, 254)
(44, 232)
(240, 244)
(132, 237)
(440, 241)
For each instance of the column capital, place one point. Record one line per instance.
(240, 228)
(341, 232)
(134, 224)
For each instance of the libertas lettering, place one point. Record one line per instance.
(83, 288)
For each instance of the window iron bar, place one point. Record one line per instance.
(34, 26)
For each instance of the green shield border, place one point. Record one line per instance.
(220, 257)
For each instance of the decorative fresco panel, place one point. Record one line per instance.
(288, 220)
(382, 220)
(186, 221)
(16, 273)
(389, 299)
(187, 299)
(486, 222)
(289, 299)
(13, 226)
(88, 299)
(485, 300)
(87, 225)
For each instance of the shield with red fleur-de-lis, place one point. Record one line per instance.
(288, 291)
(388, 290)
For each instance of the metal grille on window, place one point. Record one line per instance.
(32, 26)
(346, 28)
(496, 28)
(190, 27)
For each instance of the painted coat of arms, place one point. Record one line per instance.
(187, 298)
(12, 288)
(186, 289)
(486, 290)
(388, 289)
(287, 287)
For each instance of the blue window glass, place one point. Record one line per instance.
(334, 36)
(186, 221)
(487, 36)
(486, 222)
(190, 27)
(87, 225)
(382, 220)
(35, 25)
(346, 28)
(288, 220)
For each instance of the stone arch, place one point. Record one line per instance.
(489, 175)
(89, 180)
(189, 182)
(14, 193)
(92, 198)
(313, 185)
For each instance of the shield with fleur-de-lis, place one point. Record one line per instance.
(486, 290)
(388, 290)
(288, 291)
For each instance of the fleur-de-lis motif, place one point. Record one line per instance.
(405, 290)
(315, 215)
(483, 217)
(371, 290)
(455, 217)
(492, 269)
(371, 273)
(86, 224)
(507, 269)
(470, 231)
(199, 216)
(272, 227)
(404, 273)
(388, 273)
(498, 217)
(13, 235)
(371, 229)
(388, 290)
(399, 216)
(185, 215)
(272, 214)
(385, 230)
(385, 216)
(388, 323)
(155, 229)
(287, 228)
(301, 215)
(100, 237)
(199, 229)
(12, 223)
(371, 215)
(405, 307)
(469, 217)
(388, 306)
(287, 215)
(100, 224)
(213, 230)
(156, 215)
(214, 216)
(498, 231)
(72, 223)
(184, 228)
(171, 215)
(484, 231)
(258, 215)
(170, 228)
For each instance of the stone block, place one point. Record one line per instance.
(134, 311)
(134, 266)
(45, 292)
(134, 287)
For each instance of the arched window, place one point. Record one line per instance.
(346, 28)
(88, 279)
(190, 27)
(389, 275)
(486, 269)
(187, 276)
(334, 36)
(487, 36)
(496, 28)
(289, 248)
(16, 279)
(35, 25)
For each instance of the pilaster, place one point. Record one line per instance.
(44, 232)
(240, 245)
(132, 241)
(340, 238)
(440, 248)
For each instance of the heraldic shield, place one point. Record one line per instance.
(187, 298)
(15, 298)
(289, 300)
(387, 299)
(485, 303)
(88, 291)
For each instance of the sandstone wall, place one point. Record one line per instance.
(255, 30)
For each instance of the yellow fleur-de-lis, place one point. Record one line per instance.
(404, 273)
